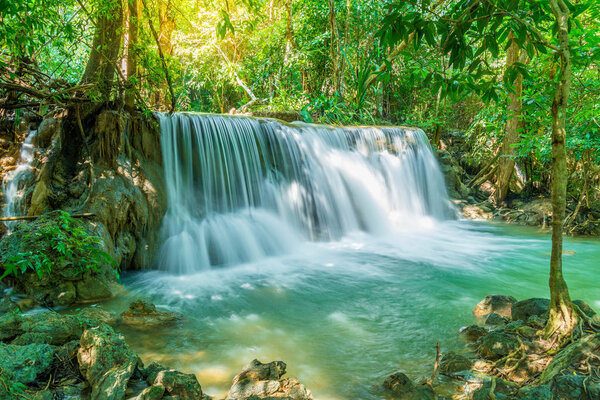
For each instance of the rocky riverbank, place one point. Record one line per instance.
(505, 357)
(47, 355)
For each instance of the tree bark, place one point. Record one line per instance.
(506, 162)
(561, 319)
(102, 62)
(132, 80)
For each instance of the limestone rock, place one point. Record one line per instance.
(452, 362)
(473, 333)
(46, 327)
(264, 381)
(403, 388)
(23, 364)
(180, 385)
(497, 344)
(524, 309)
(495, 303)
(143, 315)
(106, 362)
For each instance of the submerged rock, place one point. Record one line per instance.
(106, 362)
(265, 381)
(495, 303)
(524, 309)
(143, 315)
(24, 364)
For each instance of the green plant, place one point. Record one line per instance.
(64, 242)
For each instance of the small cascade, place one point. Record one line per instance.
(13, 185)
(240, 188)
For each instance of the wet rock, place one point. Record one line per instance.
(106, 362)
(45, 132)
(542, 392)
(23, 364)
(143, 315)
(587, 310)
(264, 381)
(524, 309)
(95, 316)
(502, 390)
(155, 392)
(497, 344)
(577, 351)
(452, 362)
(473, 333)
(494, 320)
(180, 385)
(402, 387)
(495, 303)
(575, 387)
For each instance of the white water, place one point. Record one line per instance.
(13, 183)
(242, 189)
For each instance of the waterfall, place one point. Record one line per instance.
(14, 181)
(240, 188)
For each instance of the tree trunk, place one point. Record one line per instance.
(132, 82)
(561, 320)
(334, 48)
(506, 162)
(102, 62)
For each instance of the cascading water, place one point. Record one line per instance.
(13, 183)
(240, 189)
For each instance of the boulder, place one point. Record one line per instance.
(495, 303)
(497, 344)
(473, 333)
(151, 393)
(494, 320)
(180, 385)
(542, 392)
(95, 316)
(402, 387)
(45, 132)
(106, 362)
(524, 309)
(264, 381)
(452, 362)
(143, 315)
(575, 387)
(24, 364)
(46, 327)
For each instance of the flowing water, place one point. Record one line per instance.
(335, 250)
(13, 184)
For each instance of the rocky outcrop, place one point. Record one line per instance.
(143, 315)
(495, 303)
(262, 381)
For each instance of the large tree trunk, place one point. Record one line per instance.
(104, 54)
(506, 162)
(132, 80)
(561, 320)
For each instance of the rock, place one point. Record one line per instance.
(23, 364)
(45, 132)
(175, 383)
(494, 320)
(473, 333)
(43, 395)
(94, 316)
(402, 387)
(90, 289)
(452, 362)
(588, 346)
(152, 393)
(542, 392)
(144, 315)
(587, 310)
(495, 303)
(496, 345)
(151, 372)
(46, 327)
(503, 390)
(32, 338)
(264, 380)
(575, 387)
(106, 362)
(524, 309)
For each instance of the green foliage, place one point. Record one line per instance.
(65, 243)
